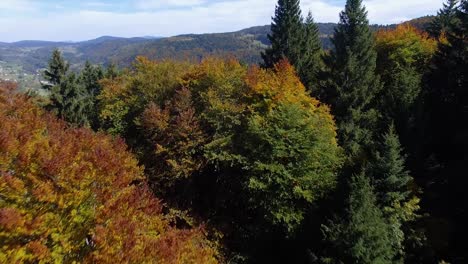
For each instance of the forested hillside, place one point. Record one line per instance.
(337, 143)
(245, 45)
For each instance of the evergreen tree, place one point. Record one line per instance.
(352, 83)
(56, 70)
(90, 76)
(445, 17)
(391, 177)
(392, 182)
(89, 79)
(312, 55)
(286, 35)
(364, 236)
(70, 101)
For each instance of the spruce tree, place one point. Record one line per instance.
(286, 35)
(389, 172)
(70, 101)
(351, 81)
(445, 17)
(363, 236)
(392, 185)
(56, 70)
(89, 79)
(311, 58)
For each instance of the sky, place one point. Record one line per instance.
(72, 20)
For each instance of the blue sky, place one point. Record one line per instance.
(87, 19)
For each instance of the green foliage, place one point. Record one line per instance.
(89, 78)
(73, 97)
(311, 57)
(393, 188)
(286, 36)
(70, 101)
(281, 142)
(403, 57)
(125, 97)
(296, 40)
(230, 142)
(351, 81)
(364, 235)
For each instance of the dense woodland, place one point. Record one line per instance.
(340, 155)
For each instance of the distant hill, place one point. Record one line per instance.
(422, 23)
(246, 45)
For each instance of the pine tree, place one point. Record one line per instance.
(56, 71)
(352, 83)
(364, 236)
(311, 58)
(286, 35)
(445, 17)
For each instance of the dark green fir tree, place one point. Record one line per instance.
(363, 236)
(312, 63)
(70, 101)
(56, 70)
(286, 35)
(351, 81)
(89, 79)
(392, 183)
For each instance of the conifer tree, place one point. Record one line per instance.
(286, 35)
(90, 76)
(363, 236)
(311, 58)
(352, 83)
(89, 79)
(391, 177)
(392, 185)
(445, 17)
(70, 101)
(56, 70)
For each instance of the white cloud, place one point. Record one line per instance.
(156, 4)
(201, 17)
(17, 5)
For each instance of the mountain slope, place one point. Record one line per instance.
(28, 57)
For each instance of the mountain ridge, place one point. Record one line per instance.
(28, 57)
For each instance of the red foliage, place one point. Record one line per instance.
(71, 195)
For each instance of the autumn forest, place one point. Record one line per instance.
(348, 154)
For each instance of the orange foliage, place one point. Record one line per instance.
(70, 195)
(177, 136)
(406, 43)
